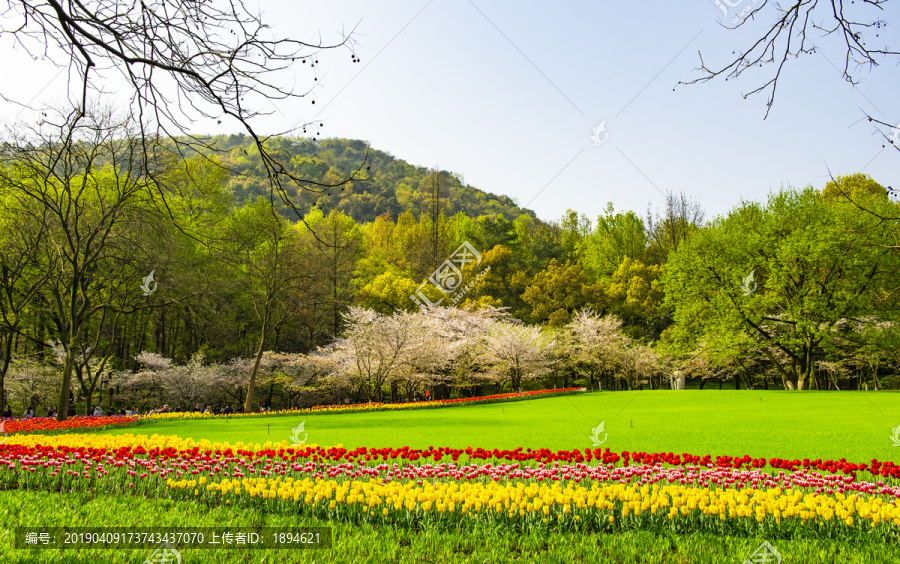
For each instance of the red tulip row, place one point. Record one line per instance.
(510, 396)
(49, 424)
(31, 467)
(365, 455)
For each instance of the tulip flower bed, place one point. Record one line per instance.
(51, 425)
(367, 542)
(517, 491)
(365, 407)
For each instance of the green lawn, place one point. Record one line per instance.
(851, 425)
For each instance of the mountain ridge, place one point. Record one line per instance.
(390, 185)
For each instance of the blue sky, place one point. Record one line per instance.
(507, 95)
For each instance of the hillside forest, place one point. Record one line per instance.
(188, 285)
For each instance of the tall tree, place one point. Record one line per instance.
(680, 217)
(91, 174)
(436, 245)
(267, 252)
(617, 235)
(23, 226)
(336, 243)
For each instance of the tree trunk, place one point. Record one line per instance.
(7, 359)
(248, 404)
(63, 407)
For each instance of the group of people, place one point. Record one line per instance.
(219, 410)
(227, 409)
(28, 413)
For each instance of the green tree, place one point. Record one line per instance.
(809, 272)
(558, 292)
(853, 186)
(635, 294)
(574, 229)
(618, 235)
(390, 292)
(91, 178)
(24, 224)
(336, 244)
(266, 252)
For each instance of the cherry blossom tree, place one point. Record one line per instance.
(290, 375)
(160, 381)
(375, 350)
(514, 352)
(459, 333)
(31, 382)
(145, 386)
(597, 343)
(638, 365)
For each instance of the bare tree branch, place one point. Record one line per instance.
(788, 36)
(182, 60)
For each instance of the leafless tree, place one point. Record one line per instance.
(681, 216)
(792, 29)
(181, 60)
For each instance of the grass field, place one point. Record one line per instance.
(851, 425)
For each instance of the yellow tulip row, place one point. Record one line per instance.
(559, 498)
(134, 441)
(323, 409)
(347, 408)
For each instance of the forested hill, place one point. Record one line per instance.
(391, 185)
